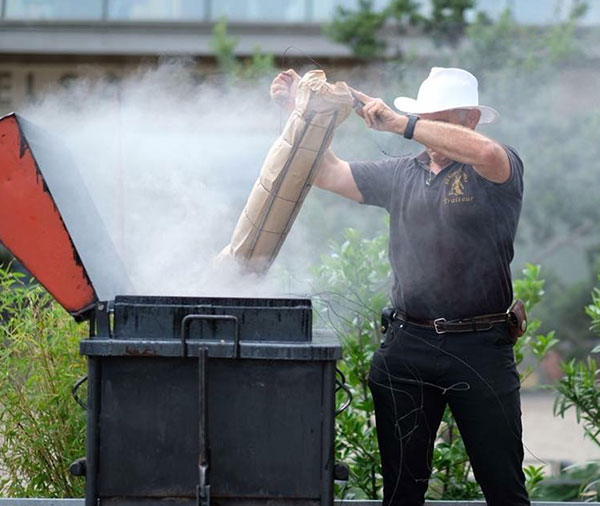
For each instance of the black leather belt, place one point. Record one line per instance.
(442, 326)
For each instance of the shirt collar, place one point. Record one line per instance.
(422, 160)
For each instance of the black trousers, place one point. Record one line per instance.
(414, 375)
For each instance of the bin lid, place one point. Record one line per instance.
(49, 222)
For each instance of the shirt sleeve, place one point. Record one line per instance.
(375, 180)
(515, 181)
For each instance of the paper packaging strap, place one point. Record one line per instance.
(288, 172)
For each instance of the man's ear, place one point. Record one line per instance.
(473, 118)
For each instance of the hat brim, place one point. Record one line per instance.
(411, 106)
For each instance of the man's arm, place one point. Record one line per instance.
(334, 174)
(463, 145)
(455, 142)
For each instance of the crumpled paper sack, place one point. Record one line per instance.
(288, 172)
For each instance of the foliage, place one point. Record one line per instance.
(42, 429)
(579, 389)
(447, 22)
(534, 475)
(504, 44)
(560, 40)
(352, 283)
(5, 256)
(593, 311)
(451, 475)
(576, 483)
(363, 30)
(530, 289)
(358, 29)
(224, 47)
(564, 309)
(495, 45)
(236, 70)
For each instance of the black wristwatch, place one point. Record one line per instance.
(410, 126)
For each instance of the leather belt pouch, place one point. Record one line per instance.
(517, 320)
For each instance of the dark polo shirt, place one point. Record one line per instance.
(451, 235)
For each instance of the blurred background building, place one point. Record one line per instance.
(45, 43)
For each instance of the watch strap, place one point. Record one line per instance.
(410, 126)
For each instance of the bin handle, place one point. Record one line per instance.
(341, 385)
(185, 327)
(75, 389)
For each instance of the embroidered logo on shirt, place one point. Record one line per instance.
(456, 189)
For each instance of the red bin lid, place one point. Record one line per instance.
(46, 213)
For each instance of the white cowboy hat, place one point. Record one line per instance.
(446, 89)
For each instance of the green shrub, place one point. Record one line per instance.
(579, 390)
(42, 429)
(259, 65)
(352, 283)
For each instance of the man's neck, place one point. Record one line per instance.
(438, 162)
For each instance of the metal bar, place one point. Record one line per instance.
(92, 435)
(104, 13)
(203, 491)
(307, 184)
(185, 325)
(75, 390)
(3, 13)
(341, 385)
(207, 10)
(103, 320)
(276, 187)
(328, 436)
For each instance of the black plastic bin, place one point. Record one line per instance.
(209, 400)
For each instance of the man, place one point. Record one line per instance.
(453, 217)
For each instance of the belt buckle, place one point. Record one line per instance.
(436, 324)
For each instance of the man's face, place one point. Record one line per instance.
(465, 117)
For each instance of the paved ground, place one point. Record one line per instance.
(552, 439)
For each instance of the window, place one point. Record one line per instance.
(164, 10)
(538, 12)
(534, 12)
(269, 11)
(54, 9)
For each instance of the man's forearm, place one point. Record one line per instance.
(453, 141)
(326, 169)
(462, 145)
(335, 175)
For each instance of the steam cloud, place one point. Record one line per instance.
(169, 164)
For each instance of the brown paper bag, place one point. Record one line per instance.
(288, 171)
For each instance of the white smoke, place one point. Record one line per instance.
(169, 164)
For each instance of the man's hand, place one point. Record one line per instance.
(377, 114)
(283, 89)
